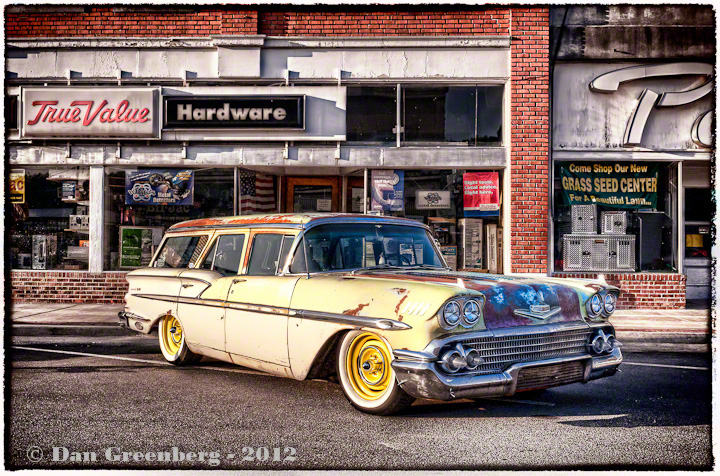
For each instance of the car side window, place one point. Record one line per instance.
(179, 251)
(265, 254)
(226, 256)
(207, 264)
(285, 250)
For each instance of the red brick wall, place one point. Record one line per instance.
(67, 286)
(109, 22)
(483, 22)
(644, 290)
(529, 156)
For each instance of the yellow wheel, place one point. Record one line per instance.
(368, 366)
(366, 375)
(172, 342)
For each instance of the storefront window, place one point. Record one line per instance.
(698, 216)
(371, 114)
(615, 217)
(468, 240)
(212, 195)
(48, 212)
(463, 115)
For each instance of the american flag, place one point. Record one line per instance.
(257, 193)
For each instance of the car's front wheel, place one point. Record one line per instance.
(172, 342)
(366, 377)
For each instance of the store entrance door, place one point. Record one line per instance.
(312, 194)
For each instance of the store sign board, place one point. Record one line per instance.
(388, 190)
(17, 185)
(432, 199)
(481, 193)
(159, 187)
(624, 185)
(235, 112)
(89, 113)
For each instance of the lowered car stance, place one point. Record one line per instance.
(370, 300)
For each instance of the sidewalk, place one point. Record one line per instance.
(638, 329)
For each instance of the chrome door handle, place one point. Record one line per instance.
(188, 285)
(238, 280)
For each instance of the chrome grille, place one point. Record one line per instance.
(502, 352)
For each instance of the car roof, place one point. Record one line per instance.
(289, 220)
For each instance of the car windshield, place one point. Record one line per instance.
(345, 246)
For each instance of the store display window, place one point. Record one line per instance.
(468, 240)
(615, 216)
(196, 193)
(47, 212)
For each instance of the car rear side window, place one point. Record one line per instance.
(180, 251)
(269, 252)
(226, 255)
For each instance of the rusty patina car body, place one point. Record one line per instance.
(377, 306)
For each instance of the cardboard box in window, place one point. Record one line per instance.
(471, 240)
(450, 255)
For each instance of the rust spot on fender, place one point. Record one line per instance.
(354, 312)
(397, 308)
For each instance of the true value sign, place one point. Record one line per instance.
(110, 113)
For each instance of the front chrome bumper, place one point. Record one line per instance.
(423, 380)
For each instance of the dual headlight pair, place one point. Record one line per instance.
(601, 304)
(465, 312)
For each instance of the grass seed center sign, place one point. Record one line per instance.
(617, 185)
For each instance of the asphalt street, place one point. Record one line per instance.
(112, 402)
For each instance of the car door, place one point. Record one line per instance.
(258, 301)
(202, 314)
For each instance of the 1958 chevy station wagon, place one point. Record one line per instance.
(370, 300)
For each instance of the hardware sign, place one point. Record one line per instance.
(234, 112)
(90, 112)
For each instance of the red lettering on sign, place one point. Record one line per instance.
(43, 105)
(122, 113)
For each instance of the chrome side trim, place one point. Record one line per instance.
(256, 308)
(361, 321)
(413, 356)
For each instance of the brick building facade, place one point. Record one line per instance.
(409, 58)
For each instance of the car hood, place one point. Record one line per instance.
(509, 300)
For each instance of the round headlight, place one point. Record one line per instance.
(451, 315)
(471, 313)
(610, 301)
(596, 305)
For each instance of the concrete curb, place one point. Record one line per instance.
(82, 330)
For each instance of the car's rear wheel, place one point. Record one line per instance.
(366, 377)
(172, 342)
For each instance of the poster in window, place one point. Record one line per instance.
(17, 185)
(432, 200)
(137, 245)
(616, 185)
(388, 191)
(159, 187)
(68, 190)
(356, 203)
(481, 194)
